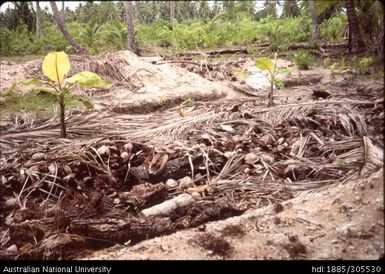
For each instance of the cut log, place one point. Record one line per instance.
(169, 207)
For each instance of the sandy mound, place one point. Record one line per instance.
(142, 84)
(137, 83)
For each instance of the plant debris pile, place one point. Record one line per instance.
(151, 175)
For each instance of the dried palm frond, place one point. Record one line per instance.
(232, 163)
(352, 122)
(333, 147)
(278, 115)
(319, 103)
(298, 147)
(373, 155)
(313, 115)
(175, 127)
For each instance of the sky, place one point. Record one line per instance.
(72, 5)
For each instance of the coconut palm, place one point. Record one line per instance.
(270, 8)
(90, 33)
(61, 24)
(356, 44)
(370, 18)
(290, 9)
(172, 14)
(117, 31)
(367, 14)
(314, 20)
(129, 15)
(38, 21)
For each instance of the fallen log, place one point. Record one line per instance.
(295, 46)
(302, 80)
(206, 64)
(215, 52)
(120, 230)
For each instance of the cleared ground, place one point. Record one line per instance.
(295, 174)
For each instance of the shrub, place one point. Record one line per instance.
(14, 42)
(303, 60)
(53, 39)
(361, 65)
(193, 34)
(333, 29)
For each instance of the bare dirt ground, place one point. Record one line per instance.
(224, 178)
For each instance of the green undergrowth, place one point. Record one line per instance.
(42, 105)
(21, 58)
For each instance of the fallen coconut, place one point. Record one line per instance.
(10, 203)
(125, 157)
(198, 177)
(34, 169)
(280, 140)
(171, 183)
(267, 158)
(12, 248)
(251, 158)
(52, 169)
(128, 147)
(67, 169)
(38, 156)
(186, 182)
(104, 151)
(268, 139)
(158, 163)
(196, 195)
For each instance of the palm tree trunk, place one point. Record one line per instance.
(314, 20)
(38, 21)
(129, 14)
(356, 44)
(380, 41)
(60, 22)
(62, 9)
(172, 14)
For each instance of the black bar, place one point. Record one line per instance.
(184, 267)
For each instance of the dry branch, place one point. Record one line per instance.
(215, 52)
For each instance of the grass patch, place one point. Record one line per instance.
(242, 73)
(285, 71)
(42, 105)
(377, 75)
(21, 58)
